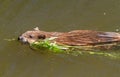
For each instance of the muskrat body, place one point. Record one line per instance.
(72, 38)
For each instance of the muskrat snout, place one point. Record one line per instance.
(22, 39)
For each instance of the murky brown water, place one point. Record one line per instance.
(17, 16)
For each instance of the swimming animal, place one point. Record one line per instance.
(72, 38)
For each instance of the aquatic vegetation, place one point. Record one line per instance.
(47, 44)
(74, 50)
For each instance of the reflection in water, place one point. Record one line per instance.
(17, 16)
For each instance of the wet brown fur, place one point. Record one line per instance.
(74, 38)
(85, 37)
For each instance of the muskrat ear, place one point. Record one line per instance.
(41, 37)
(36, 29)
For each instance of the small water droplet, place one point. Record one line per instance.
(104, 13)
(117, 30)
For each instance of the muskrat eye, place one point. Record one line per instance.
(41, 37)
(30, 36)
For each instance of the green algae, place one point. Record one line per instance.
(47, 44)
(52, 46)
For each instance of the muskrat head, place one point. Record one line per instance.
(31, 36)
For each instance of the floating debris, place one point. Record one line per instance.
(13, 39)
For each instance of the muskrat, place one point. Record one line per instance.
(72, 38)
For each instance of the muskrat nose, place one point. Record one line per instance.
(20, 38)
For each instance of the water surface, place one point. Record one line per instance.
(17, 16)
